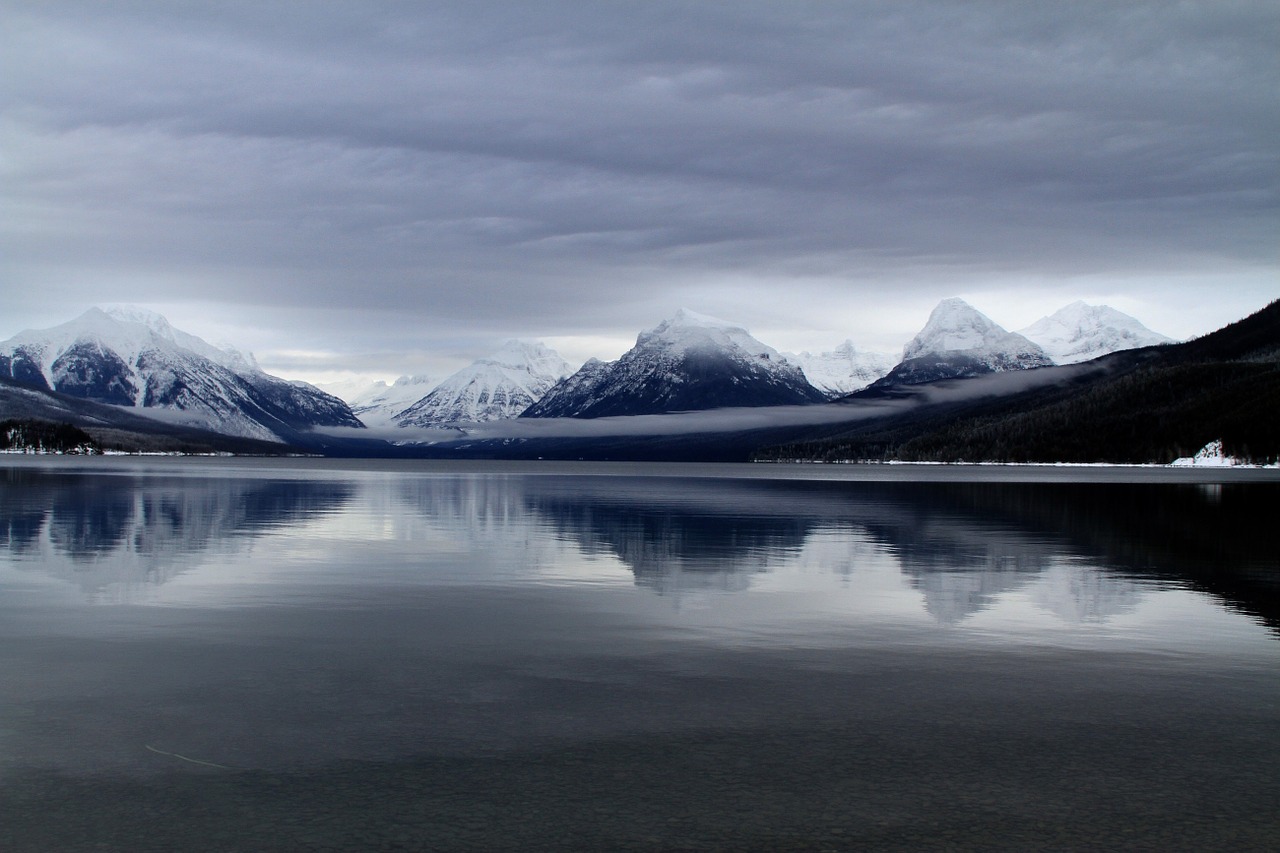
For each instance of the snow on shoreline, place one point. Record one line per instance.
(1209, 456)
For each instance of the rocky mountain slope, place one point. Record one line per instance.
(688, 362)
(136, 359)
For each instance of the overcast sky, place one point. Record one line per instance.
(396, 187)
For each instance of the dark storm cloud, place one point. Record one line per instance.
(549, 168)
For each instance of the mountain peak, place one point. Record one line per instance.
(686, 317)
(687, 362)
(527, 355)
(131, 357)
(1081, 332)
(955, 326)
(844, 369)
(135, 314)
(495, 387)
(960, 341)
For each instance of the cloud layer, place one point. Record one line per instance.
(366, 182)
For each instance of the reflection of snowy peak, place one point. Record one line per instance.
(843, 370)
(500, 386)
(379, 404)
(1080, 332)
(130, 357)
(118, 539)
(688, 362)
(960, 341)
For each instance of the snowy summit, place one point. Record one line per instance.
(1080, 332)
(380, 403)
(688, 362)
(959, 341)
(843, 370)
(494, 388)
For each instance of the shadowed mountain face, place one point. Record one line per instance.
(689, 362)
(135, 359)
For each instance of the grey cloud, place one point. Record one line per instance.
(491, 165)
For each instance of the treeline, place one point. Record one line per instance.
(1165, 404)
(44, 437)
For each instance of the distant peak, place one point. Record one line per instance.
(954, 313)
(685, 317)
(520, 346)
(517, 353)
(954, 306)
(136, 314)
(416, 379)
(686, 324)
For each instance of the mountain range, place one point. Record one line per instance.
(1153, 404)
(94, 371)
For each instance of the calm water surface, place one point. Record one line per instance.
(309, 655)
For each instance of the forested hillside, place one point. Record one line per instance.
(1152, 406)
(44, 437)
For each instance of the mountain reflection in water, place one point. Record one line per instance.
(323, 655)
(115, 535)
(1087, 548)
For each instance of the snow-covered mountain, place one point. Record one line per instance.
(379, 404)
(500, 386)
(843, 370)
(688, 362)
(1080, 332)
(135, 358)
(960, 341)
(579, 391)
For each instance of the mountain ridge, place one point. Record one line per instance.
(136, 359)
(687, 362)
(1148, 405)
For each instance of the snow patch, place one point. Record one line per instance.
(1210, 456)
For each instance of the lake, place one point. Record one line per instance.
(238, 654)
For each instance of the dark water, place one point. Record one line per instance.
(239, 655)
